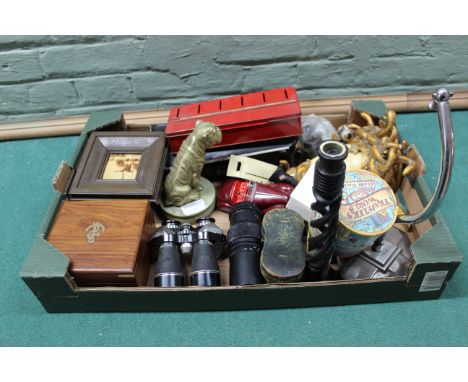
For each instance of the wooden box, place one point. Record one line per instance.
(105, 240)
(254, 117)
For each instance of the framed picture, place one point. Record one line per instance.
(121, 163)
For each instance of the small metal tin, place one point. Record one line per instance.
(368, 210)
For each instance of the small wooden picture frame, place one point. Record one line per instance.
(120, 163)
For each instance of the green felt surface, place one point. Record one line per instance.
(26, 170)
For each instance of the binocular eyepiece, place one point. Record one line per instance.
(205, 242)
(186, 238)
(169, 271)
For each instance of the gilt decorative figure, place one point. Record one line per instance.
(186, 192)
(380, 148)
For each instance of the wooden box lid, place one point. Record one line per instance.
(105, 240)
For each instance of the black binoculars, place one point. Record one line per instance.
(206, 243)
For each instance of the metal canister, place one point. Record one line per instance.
(368, 210)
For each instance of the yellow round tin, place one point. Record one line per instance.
(368, 210)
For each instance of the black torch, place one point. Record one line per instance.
(328, 185)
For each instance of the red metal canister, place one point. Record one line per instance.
(261, 116)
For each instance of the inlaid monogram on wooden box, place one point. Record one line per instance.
(106, 240)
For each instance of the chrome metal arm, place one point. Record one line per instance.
(440, 102)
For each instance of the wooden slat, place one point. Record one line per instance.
(334, 109)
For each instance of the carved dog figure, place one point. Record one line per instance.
(182, 183)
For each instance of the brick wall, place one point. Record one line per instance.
(47, 76)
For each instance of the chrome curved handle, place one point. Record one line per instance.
(440, 102)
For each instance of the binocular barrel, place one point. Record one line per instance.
(205, 270)
(169, 270)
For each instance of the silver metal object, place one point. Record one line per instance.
(391, 256)
(440, 102)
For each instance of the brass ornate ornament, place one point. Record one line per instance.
(379, 148)
(354, 161)
(298, 171)
(187, 194)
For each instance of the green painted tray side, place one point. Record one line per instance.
(45, 270)
(438, 244)
(374, 108)
(246, 298)
(100, 119)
